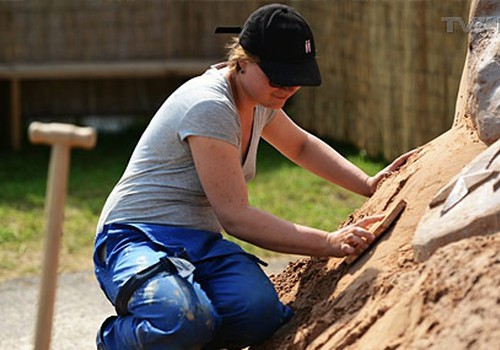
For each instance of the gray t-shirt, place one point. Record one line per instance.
(160, 184)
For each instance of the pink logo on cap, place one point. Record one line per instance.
(308, 46)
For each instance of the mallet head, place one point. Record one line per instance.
(58, 133)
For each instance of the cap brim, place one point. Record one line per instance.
(228, 30)
(292, 74)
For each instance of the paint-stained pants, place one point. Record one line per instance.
(226, 302)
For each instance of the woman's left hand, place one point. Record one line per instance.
(374, 181)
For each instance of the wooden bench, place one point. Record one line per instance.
(16, 73)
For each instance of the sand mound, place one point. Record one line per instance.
(451, 301)
(386, 299)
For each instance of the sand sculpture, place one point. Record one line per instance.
(432, 280)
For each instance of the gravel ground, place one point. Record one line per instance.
(79, 310)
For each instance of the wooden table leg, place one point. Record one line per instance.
(15, 114)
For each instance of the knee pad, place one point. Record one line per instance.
(168, 312)
(175, 311)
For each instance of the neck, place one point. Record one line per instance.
(244, 104)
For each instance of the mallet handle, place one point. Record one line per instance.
(54, 216)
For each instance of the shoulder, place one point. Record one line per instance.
(215, 118)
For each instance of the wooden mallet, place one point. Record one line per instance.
(62, 137)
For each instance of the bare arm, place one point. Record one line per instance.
(219, 169)
(312, 154)
(315, 155)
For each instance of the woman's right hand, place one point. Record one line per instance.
(352, 239)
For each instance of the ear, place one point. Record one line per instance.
(242, 64)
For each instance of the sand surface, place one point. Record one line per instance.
(386, 300)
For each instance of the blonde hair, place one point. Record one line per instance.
(237, 53)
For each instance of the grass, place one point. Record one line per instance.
(280, 187)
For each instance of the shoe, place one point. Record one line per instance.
(100, 337)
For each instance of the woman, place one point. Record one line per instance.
(159, 256)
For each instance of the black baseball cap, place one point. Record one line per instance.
(284, 43)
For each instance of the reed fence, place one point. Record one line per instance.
(391, 68)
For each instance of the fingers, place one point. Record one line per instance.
(354, 244)
(369, 220)
(347, 249)
(356, 240)
(363, 235)
(395, 165)
(353, 239)
(356, 237)
(389, 170)
(401, 160)
(360, 239)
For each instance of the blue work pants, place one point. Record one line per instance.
(218, 298)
